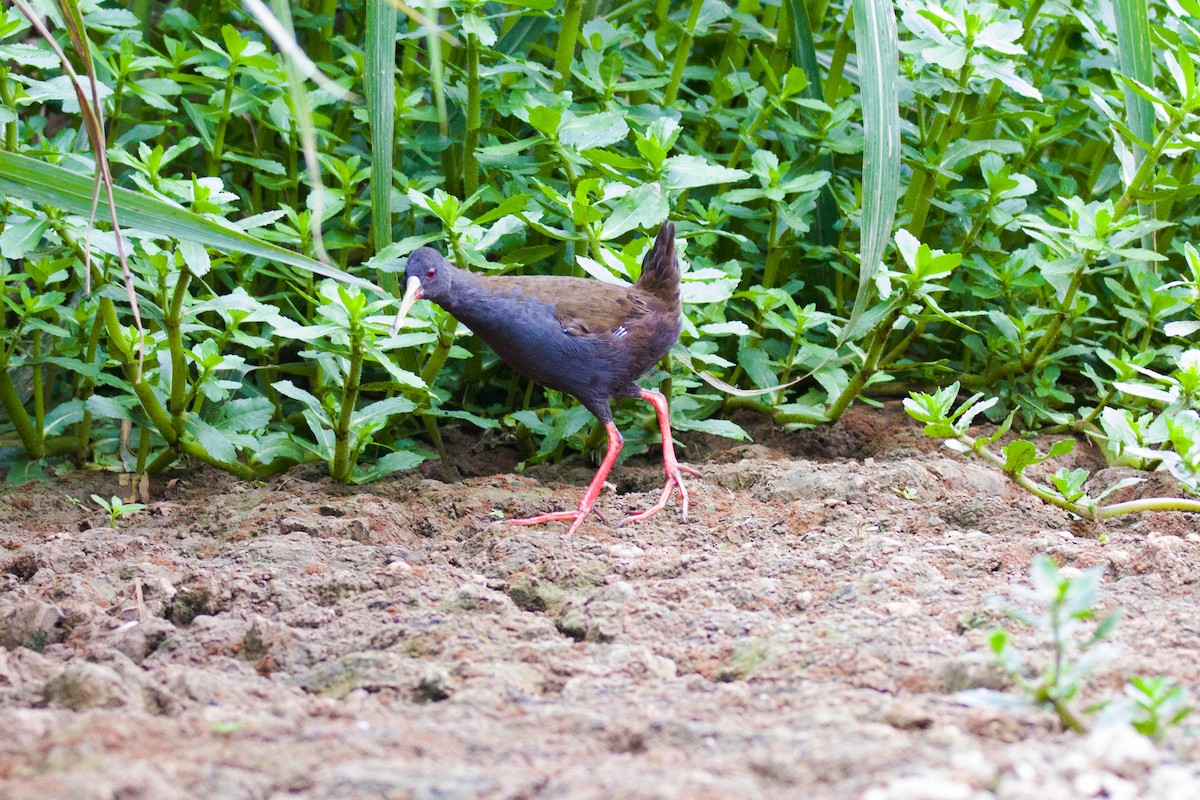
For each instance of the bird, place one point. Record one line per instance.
(589, 339)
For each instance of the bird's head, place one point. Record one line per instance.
(427, 275)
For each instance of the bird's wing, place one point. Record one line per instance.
(582, 307)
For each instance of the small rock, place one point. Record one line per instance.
(808, 482)
(139, 639)
(30, 623)
(619, 592)
(1121, 749)
(86, 685)
(907, 716)
(925, 787)
(379, 778)
(622, 550)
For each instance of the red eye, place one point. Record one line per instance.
(431, 272)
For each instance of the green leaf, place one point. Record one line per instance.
(592, 130)
(687, 172)
(18, 240)
(381, 410)
(196, 257)
(396, 461)
(289, 389)
(878, 64)
(37, 182)
(379, 78)
(214, 442)
(716, 427)
(1061, 448)
(1019, 455)
(476, 25)
(645, 207)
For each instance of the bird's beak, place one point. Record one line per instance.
(412, 293)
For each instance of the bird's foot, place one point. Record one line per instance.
(575, 517)
(674, 471)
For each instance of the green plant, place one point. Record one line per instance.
(1155, 705)
(1039, 161)
(1061, 608)
(117, 509)
(1061, 612)
(1067, 488)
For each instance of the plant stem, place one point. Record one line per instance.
(869, 367)
(173, 324)
(214, 158)
(342, 468)
(31, 439)
(470, 164)
(682, 51)
(567, 35)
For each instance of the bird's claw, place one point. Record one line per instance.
(674, 479)
(575, 517)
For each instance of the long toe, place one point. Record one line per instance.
(575, 517)
(674, 480)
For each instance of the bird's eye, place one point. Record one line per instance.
(432, 271)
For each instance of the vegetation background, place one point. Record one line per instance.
(874, 197)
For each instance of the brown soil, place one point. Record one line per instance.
(805, 635)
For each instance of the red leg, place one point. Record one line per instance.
(586, 505)
(671, 465)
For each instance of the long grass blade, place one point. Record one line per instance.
(878, 67)
(1134, 56)
(804, 55)
(306, 129)
(380, 79)
(285, 39)
(38, 182)
(91, 111)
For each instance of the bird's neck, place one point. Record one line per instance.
(468, 299)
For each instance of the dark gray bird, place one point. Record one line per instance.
(590, 339)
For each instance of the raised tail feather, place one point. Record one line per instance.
(660, 268)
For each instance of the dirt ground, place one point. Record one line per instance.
(805, 635)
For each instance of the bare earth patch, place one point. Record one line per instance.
(803, 636)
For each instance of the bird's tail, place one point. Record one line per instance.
(660, 268)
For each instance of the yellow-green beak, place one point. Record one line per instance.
(412, 293)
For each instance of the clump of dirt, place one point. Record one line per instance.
(805, 634)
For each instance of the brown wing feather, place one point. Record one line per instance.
(583, 307)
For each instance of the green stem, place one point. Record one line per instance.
(173, 323)
(682, 51)
(470, 164)
(214, 158)
(31, 439)
(342, 469)
(1146, 170)
(567, 35)
(1089, 511)
(85, 424)
(921, 188)
(868, 369)
(39, 389)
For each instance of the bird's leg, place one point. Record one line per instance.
(587, 504)
(671, 465)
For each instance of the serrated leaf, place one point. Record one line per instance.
(396, 461)
(1061, 448)
(382, 409)
(1018, 456)
(20, 239)
(214, 442)
(196, 257)
(289, 389)
(645, 207)
(592, 130)
(716, 427)
(688, 171)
